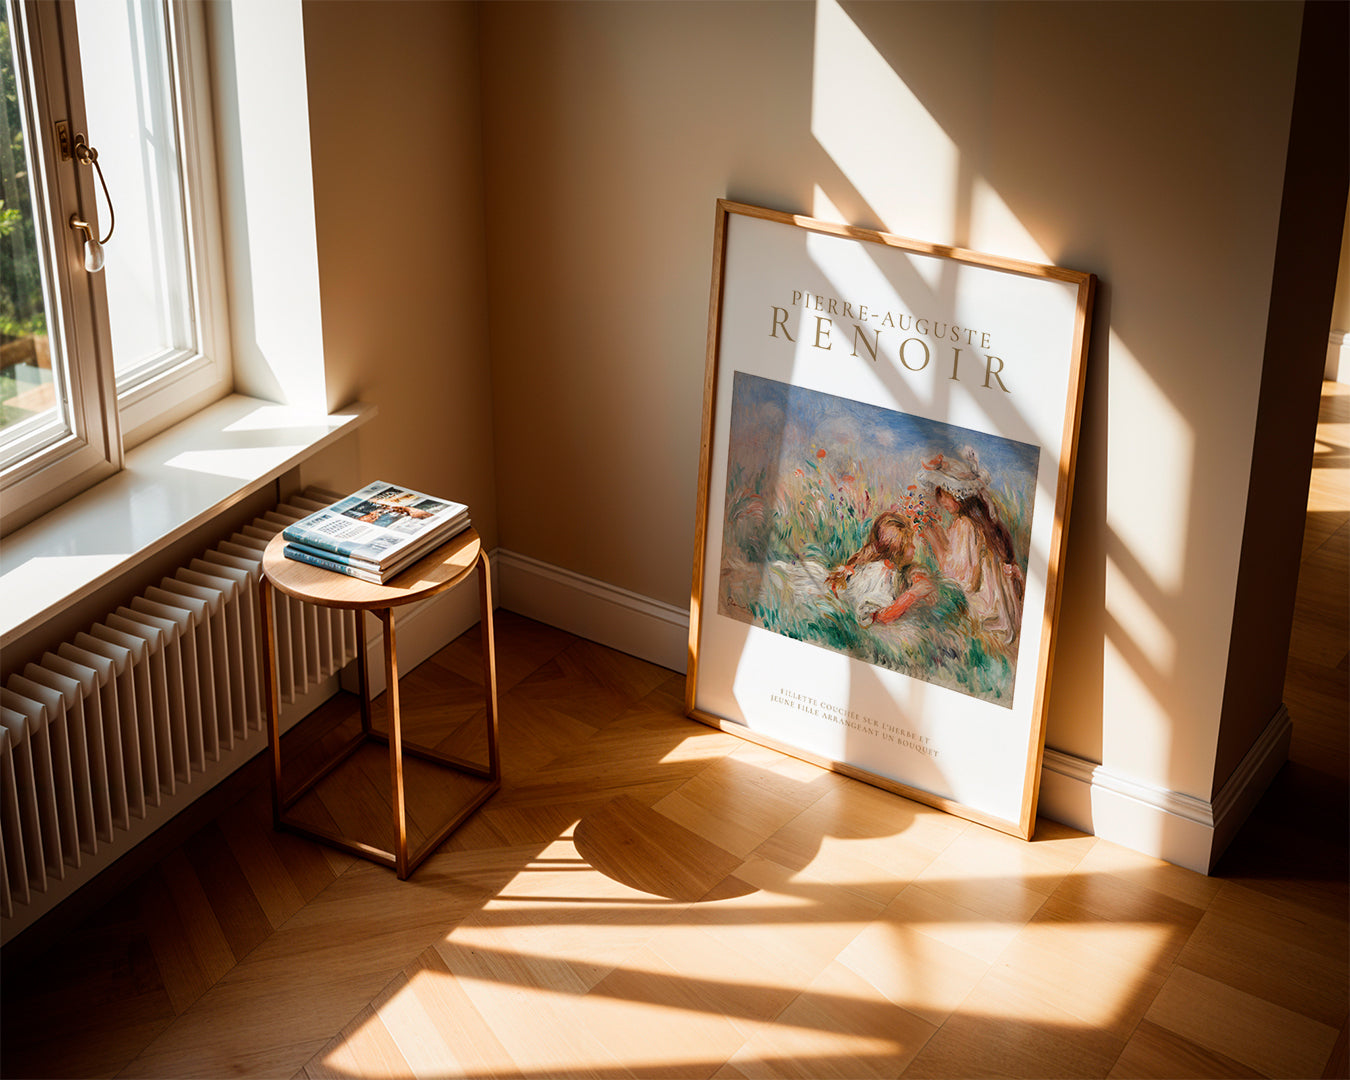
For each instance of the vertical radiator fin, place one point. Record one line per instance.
(129, 715)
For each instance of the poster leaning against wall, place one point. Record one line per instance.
(888, 441)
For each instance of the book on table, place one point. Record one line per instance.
(376, 532)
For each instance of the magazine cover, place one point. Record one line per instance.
(300, 553)
(379, 525)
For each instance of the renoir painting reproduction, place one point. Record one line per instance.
(894, 539)
(885, 469)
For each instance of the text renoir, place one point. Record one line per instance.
(913, 352)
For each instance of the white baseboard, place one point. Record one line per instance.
(1181, 829)
(595, 610)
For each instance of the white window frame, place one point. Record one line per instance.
(105, 422)
(200, 377)
(92, 449)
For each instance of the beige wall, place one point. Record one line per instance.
(609, 132)
(1144, 143)
(398, 204)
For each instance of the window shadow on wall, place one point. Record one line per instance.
(1090, 138)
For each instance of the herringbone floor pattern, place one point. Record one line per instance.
(650, 897)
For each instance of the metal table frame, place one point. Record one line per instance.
(445, 568)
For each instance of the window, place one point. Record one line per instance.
(92, 363)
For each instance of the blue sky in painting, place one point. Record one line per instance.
(771, 419)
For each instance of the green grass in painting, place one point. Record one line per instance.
(819, 510)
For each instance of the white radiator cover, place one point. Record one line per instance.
(110, 734)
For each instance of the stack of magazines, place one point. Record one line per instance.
(375, 533)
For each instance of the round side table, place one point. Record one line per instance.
(445, 568)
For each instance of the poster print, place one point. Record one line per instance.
(888, 438)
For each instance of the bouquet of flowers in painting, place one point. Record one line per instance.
(894, 539)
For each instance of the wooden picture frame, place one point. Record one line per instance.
(887, 457)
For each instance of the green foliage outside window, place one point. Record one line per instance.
(21, 308)
(23, 318)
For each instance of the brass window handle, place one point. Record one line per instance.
(93, 247)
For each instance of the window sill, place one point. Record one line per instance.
(171, 484)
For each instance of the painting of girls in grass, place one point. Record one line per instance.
(900, 541)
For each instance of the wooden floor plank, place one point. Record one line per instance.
(1338, 1063)
(1128, 960)
(1274, 949)
(629, 842)
(838, 1027)
(742, 799)
(363, 1048)
(1154, 1053)
(186, 975)
(723, 974)
(90, 1006)
(1003, 1030)
(983, 934)
(655, 1022)
(241, 917)
(522, 646)
(470, 1046)
(537, 1027)
(1273, 1040)
(263, 868)
(796, 926)
(851, 837)
(913, 970)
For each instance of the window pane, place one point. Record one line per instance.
(32, 411)
(129, 104)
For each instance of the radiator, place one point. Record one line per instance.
(139, 714)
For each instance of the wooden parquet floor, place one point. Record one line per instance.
(649, 897)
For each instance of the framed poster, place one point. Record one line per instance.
(887, 458)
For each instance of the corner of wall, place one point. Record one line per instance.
(1317, 174)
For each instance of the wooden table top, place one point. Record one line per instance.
(442, 569)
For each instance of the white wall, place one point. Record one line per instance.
(1142, 142)
(267, 201)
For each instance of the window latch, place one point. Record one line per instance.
(93, 247)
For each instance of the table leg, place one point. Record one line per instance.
(363, 671)
(489, 661)
(271, 695)
(400, 809)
